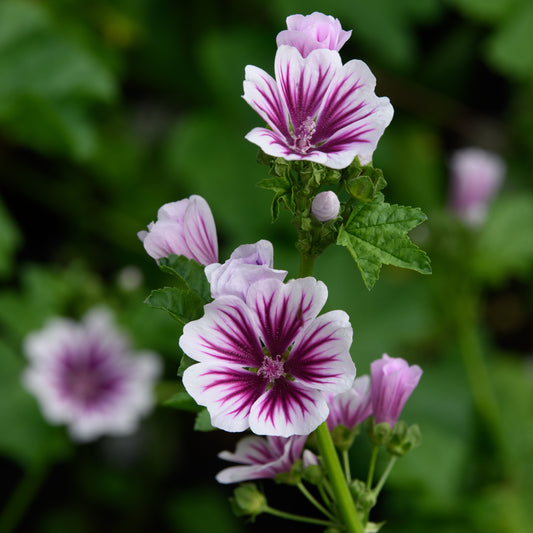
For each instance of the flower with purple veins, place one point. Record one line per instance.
(265, 363)
(351, 407)
(247, 264)
(317, 108)
(393, 381)
(85, 375)
(311, 32)
(184, 228)
(262, 457)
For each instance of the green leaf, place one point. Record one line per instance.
(183, 305)
(182, 400)
(203, 421)
(185, 363)
(376, 234)
(189, 273)
(10, 238)
(281, 187)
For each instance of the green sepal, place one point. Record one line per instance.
(183, 305)
(248, 500)
(404, 438)
(379, 434)
(364, 497)
(376, 234)
(282, 189)
(189, 273)
(293, 477)
(313, 474)
(343, 437)
(203, 421)
(367, 185)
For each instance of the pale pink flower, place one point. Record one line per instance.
(393, 381)
(351, 407)
(325, 206)
(317, 109)
(247, 264)
(311, 32)
(262, 457)
(267, 362)
(477, 176)
(86, 376)
(184, 228)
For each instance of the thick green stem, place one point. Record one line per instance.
(299, 518)
(307, 263)
(341, 491)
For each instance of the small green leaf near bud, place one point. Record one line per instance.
(248, 500)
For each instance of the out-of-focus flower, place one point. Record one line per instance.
(130, 278)
(351, 407)
(265, 363)
(393, 381)
(325, 206)
(317, 108)
(85, 375)
(184, 228)
(246, 265)
(477, 176)
(263, 457)
(311, 32)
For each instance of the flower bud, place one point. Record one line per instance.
(248, 500)
(404, 438)
(477, 176)
(312, 32)
(325, 206)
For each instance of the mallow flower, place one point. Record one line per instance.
(317, 109)
(393, 381)
(477, 175)
(85, 375)
(261, 458)
(351, 407)
(311, 32)
(266, 363)
(247, 264)
(185, 227)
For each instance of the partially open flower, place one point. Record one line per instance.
(311, 32)
(477, 175)
(85, 375)
(184, 228)
(262, 457)
(393, 381)
(325, 206)
(351, 407)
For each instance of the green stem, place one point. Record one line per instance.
(341, 491)
(323, 488)
(21, 498)
(372, 467)
(307, 263)
(313, 500)
(346, 463)
(385, 475)
(299, 518)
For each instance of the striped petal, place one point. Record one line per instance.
(284, 309)
(200, 231)
(288, 408)
(228, 392)
(225, 334)
(320, 357)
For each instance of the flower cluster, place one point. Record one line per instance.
(85, 375)
(317, 108)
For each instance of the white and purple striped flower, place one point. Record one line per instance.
(261, 457)
(247, 264)
(351, 407)
(393, 381)
(317, 108)
(311, 32)
(184, 228)
(85, 375)
(267, 362)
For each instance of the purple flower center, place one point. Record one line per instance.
(272, 368)
(89, 379)
(302, 141)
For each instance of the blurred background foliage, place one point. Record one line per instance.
(110, 108)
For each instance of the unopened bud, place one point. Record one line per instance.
(325, 206)
(248, 500)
